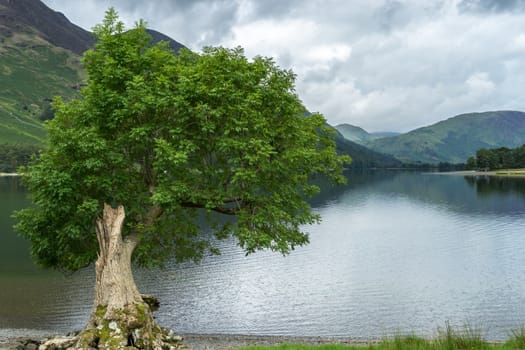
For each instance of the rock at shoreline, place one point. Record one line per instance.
(20, 343)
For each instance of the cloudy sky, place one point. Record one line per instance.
(384, 65)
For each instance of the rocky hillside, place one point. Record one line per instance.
(34, 17)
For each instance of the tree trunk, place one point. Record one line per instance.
(120, 317)
(114, 286)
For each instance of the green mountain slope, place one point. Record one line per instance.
(363, 157)
(354, 133)
(360, 135)
(39, 59)
(32, 71)
(37, 62)
(456, 139)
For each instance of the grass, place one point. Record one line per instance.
(32, 72)
(511, 172)
(446, 339)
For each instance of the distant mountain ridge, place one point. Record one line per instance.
(456, 139)
(361, 136)
(363, 157)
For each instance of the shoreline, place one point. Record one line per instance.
(8, 174)
(501, 173)
(192, 341)
(231, 341)
(215, 341)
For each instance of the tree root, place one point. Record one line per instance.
(131, 327)
(86, 340)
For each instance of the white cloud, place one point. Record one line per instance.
(518, 42)
(479, 84)
(328, 53)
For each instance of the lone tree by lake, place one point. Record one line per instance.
(157, 140)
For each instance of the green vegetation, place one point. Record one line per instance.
(158, 140)
(511, 172)
(455, 139)
(364, 158)
(498, 158)
(361, 136)
(13, 156)
(355, 133)
(32, 72)
(447, 339)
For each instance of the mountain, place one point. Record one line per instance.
(381, 134)
(354, 133)
(361, 136)
(456, 139)
(157, 36)
(363, 157)
(39, 58)
(34, 17)
(32, 69)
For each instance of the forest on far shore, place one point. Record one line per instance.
(13, 156)
(498, 158)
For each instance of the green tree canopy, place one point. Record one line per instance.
(170, 137)
(498, 158)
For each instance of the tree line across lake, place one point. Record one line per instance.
(498, 158)
(13, 156)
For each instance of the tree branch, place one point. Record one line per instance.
(218, 209)
(153, 213)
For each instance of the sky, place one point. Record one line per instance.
(383, 65)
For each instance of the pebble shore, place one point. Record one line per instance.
(210, 341)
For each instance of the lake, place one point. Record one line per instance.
(396, 252)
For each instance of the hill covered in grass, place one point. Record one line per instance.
(40, 57)
(32, 71)
(361, 136)
(363, 157)
(452, 141)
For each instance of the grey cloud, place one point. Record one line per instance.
(192, 22)
(162, 5)
(273, 8)
(390, 15)
(408, 63)
(200, 22)
(491, 6)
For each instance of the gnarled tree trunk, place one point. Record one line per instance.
(120, 317)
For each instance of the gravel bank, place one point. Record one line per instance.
(223, 342)
(214, 341)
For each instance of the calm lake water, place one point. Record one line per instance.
(396, 252)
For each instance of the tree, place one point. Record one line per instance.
(156, 140)
(471, 163)
(13, 156)
(486, 159)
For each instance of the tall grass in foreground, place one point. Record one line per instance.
(446, 339)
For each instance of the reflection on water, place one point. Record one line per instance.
(396, 252)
